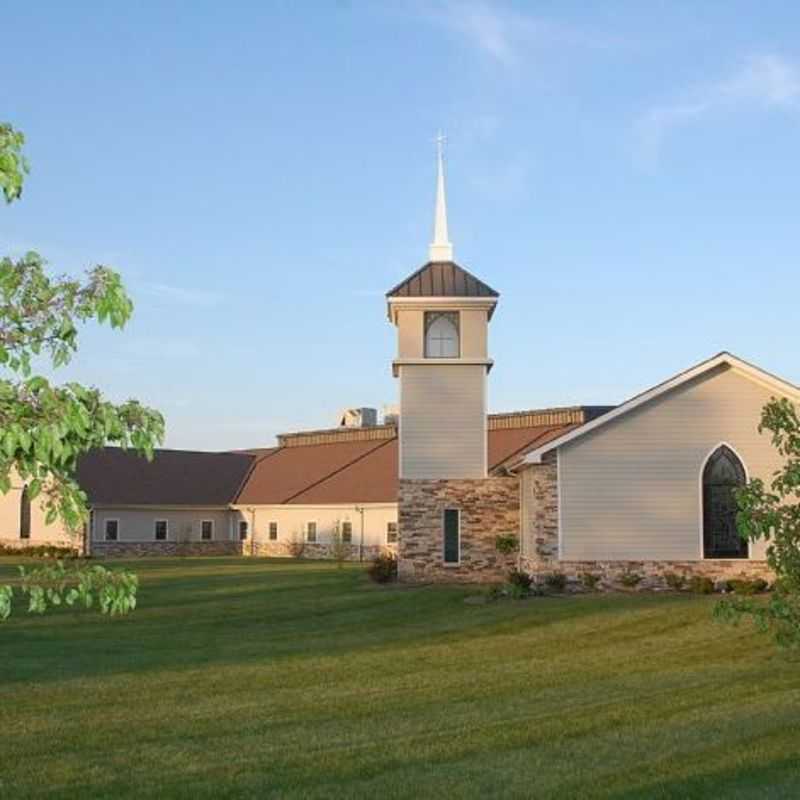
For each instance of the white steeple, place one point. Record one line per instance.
(441, 249)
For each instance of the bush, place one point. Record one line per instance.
(383, 568)
(556, 581)
(676, 581)
(40, 551)
(297, 547)
(590, 581)
(699, 584)
(506, 543)
(630, 580)
(744, 586)
(516, 577)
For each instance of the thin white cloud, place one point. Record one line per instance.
(196, 298)
(502, 33)
(766, 81)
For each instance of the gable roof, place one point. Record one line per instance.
(360, 465)
(113, 476)
(442, 279)
(721, 359)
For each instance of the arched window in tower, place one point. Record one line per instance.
(722, 475)
(441, 334)
(25, 514)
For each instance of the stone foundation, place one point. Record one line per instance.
(315, 550)
(155, 549)
(489, 507)
(652, 573)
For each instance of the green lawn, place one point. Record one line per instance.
(256, 678)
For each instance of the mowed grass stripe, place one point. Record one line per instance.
(241, 677)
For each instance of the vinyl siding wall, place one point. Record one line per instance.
(443, 421)
(292, 521)
(184, 525)
(631, 490)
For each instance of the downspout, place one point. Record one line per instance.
(360, 510)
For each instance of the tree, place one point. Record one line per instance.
(773, 514)
(45, 428)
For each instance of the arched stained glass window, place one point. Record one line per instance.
(722, 475)
(441, 334)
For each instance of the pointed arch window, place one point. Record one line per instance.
(25, 514)
(441, 334)
(722, 475)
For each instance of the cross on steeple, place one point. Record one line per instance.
(441, 248)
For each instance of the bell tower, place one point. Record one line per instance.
(442, 315)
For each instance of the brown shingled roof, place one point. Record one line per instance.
(112, 476)
(442, 279)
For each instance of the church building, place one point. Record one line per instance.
(646, 487)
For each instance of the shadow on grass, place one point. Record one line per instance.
(201, 613)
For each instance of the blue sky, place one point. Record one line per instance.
(625, 174)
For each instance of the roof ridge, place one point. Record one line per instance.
(530, 442)
(336, 471)
(256, 460)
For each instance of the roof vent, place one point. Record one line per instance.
(358, 418)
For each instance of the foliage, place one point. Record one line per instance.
(520, 578)
(700, 584)
(39, 551)
(675, 580)
(297, 546)
(383, 568)
(340, 550)
(773, 514)
(556, 581)
(114, 591)
(630, 580)
(590, 580)
(45, 428)
(746, 586)
(506, 543)
(13, 164)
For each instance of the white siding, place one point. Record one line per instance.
(631, 490)
(292, 520)
(443, 421)
(183, 525)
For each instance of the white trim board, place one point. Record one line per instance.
(722, 359)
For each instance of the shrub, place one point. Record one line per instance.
(340, 549)
(630, 580)
(590, 581)
(744, 586)
(516, 577)
(383, 568)
(39, 551)
(517, 592)
(506, 543)
(699, 584)
(675, 580)
(297, 547)
(556, 581)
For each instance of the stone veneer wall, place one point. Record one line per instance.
(147, 549)
(539, 552)
(489, 507)
(228, 548)
(315, 550)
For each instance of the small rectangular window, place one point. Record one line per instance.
(347, 532)
(242, 530)
(161, 530)
(452, 536)
(112, 530)
(207, 530)
(311, 532)
(273, 531)
(391, 532)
